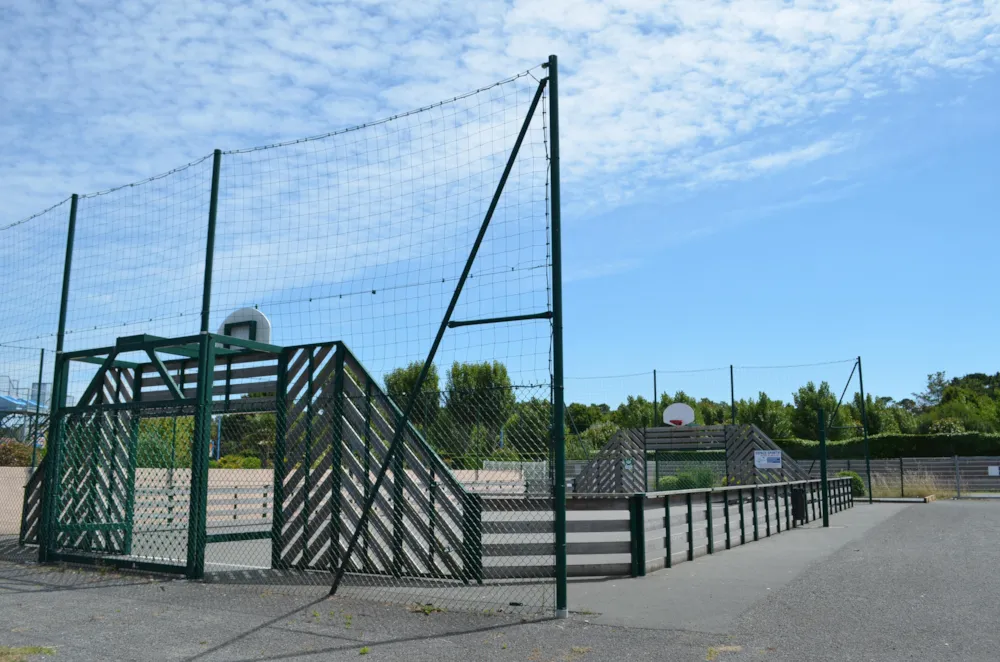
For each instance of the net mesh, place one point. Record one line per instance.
(351, 244)
(31, 257)
(138, 259)
(361, 235)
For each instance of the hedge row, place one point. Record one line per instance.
(893, 445)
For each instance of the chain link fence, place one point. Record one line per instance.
(917, 477)
(368, 257)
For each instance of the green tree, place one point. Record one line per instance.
(635, 412)
(249, 435)
(946, 426)
(976, 413)
(597, 435)
(980, 384)
(579, 416)
(878, 414)
(165, 442)
(773, 417)
(906, 421)
(480, 396)
(805, 415)
(527, 431)
(931, 396)
(714, 413)
(399, 384)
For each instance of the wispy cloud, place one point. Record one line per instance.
(600, 269)
(796, 156)
(90, 102)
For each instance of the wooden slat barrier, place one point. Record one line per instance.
(701, 437)
(619, 467)
(610, 535)
(519, 540)
(681, 526)
(424, 522)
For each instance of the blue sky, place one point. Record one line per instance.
(755, 183)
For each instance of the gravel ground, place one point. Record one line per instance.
(890, 582)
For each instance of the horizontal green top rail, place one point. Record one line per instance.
(252, 345)
(186, 346)
(117, 363)
(733, 488)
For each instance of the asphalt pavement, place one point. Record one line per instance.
(886, 582)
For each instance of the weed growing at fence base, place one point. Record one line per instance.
(22, 653)
(914, 484)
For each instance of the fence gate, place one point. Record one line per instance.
(118, 479)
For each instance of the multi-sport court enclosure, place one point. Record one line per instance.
(429, 239)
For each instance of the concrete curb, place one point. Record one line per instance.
(926, 499)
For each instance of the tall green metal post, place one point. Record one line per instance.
(213, 211)
(822, 469)
(47, 526)
(197, 522)
(336, 456)
(280, 430)
(645, 458)
(558, 404)
(732, 395)
(864, 430)
(197, 518)
(653, 424)
(38, 408)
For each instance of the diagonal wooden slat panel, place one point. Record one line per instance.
(413, 452)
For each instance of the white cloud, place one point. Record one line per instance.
(95, 97)
(600, 269)
(653, 94)
(794, 156)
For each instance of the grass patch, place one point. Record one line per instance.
(914, 484)
(22, 653)
(364, 651)
(715, 651)
(426, 610)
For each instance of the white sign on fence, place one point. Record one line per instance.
(993, 471)
(767, 459)
(627, 463)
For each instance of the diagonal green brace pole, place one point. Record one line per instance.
(397, 437)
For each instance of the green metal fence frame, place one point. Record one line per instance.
(205, 348)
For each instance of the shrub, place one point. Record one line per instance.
(13, 454)
(696, 479)
(857, 485)
(505, 455)
(237, 462)
(667, 484)
(946, 426)
(250, 463)
(893, 445)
